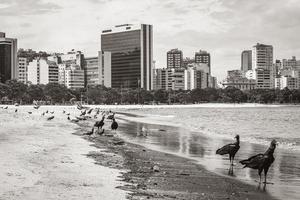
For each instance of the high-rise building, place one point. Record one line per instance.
(262, 56)
(98, 69)
(174, 58)
(8, 58)
(246, 60)
(22, 69)
(204, 58)
(263, 68)
(42, 71)
(131, 48)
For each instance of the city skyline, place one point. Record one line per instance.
(223, 28)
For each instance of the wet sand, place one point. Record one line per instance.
(157, 175)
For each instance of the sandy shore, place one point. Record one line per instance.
(156, 175)
(42, 159)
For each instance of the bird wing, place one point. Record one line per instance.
(254, 161)
(225, 149)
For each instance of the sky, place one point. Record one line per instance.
(223, 27)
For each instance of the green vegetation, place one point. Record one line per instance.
(17, 92)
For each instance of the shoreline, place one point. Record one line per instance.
(152, 174)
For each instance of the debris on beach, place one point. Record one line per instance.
(155, 168)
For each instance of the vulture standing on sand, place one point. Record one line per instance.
(114, 125)
(261, 161)
(230, 149)
(100, 124)
(50, 118)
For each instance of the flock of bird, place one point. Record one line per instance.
(261, 162)
(85, 114)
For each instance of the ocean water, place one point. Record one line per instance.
(198, 132)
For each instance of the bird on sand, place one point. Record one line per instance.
(43, 113)
(114, 125)
(261, 162)
(83, 113)
(47, 111)
(16, 110)
(90, 111)
(89, 132)
(50, 118)
(230, 149)
(100, 124)
(29, 112)
(5, 107)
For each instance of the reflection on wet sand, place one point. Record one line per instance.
(202, 149)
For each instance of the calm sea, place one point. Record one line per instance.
(197, 132)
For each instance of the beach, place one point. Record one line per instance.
(68, 164)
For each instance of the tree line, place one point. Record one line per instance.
(17, 92)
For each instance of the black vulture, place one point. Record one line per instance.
(50, 118)
(114, 125)
(90, 111)
(261, 161)
(230, 149)
(100, 124)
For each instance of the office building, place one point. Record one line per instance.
(204, 58)
(42, 71)
(174, 59)
(98, 69)
(22, 69)
(8, 58)
(246, 60)
(131, 48)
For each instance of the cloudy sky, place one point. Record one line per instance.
(222, 27)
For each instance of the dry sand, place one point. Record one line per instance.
(44, 160)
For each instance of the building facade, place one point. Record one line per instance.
(98, 69)
(263, 68)
(174, 58)
(71, 76)
(204, 58)
(246, 60)
(22, 69)
(42, 71)
(131, 48)
(8, 58)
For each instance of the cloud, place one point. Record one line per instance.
(223, 27)
(26, 7)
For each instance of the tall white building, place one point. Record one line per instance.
(263, 68)
(41, 71)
